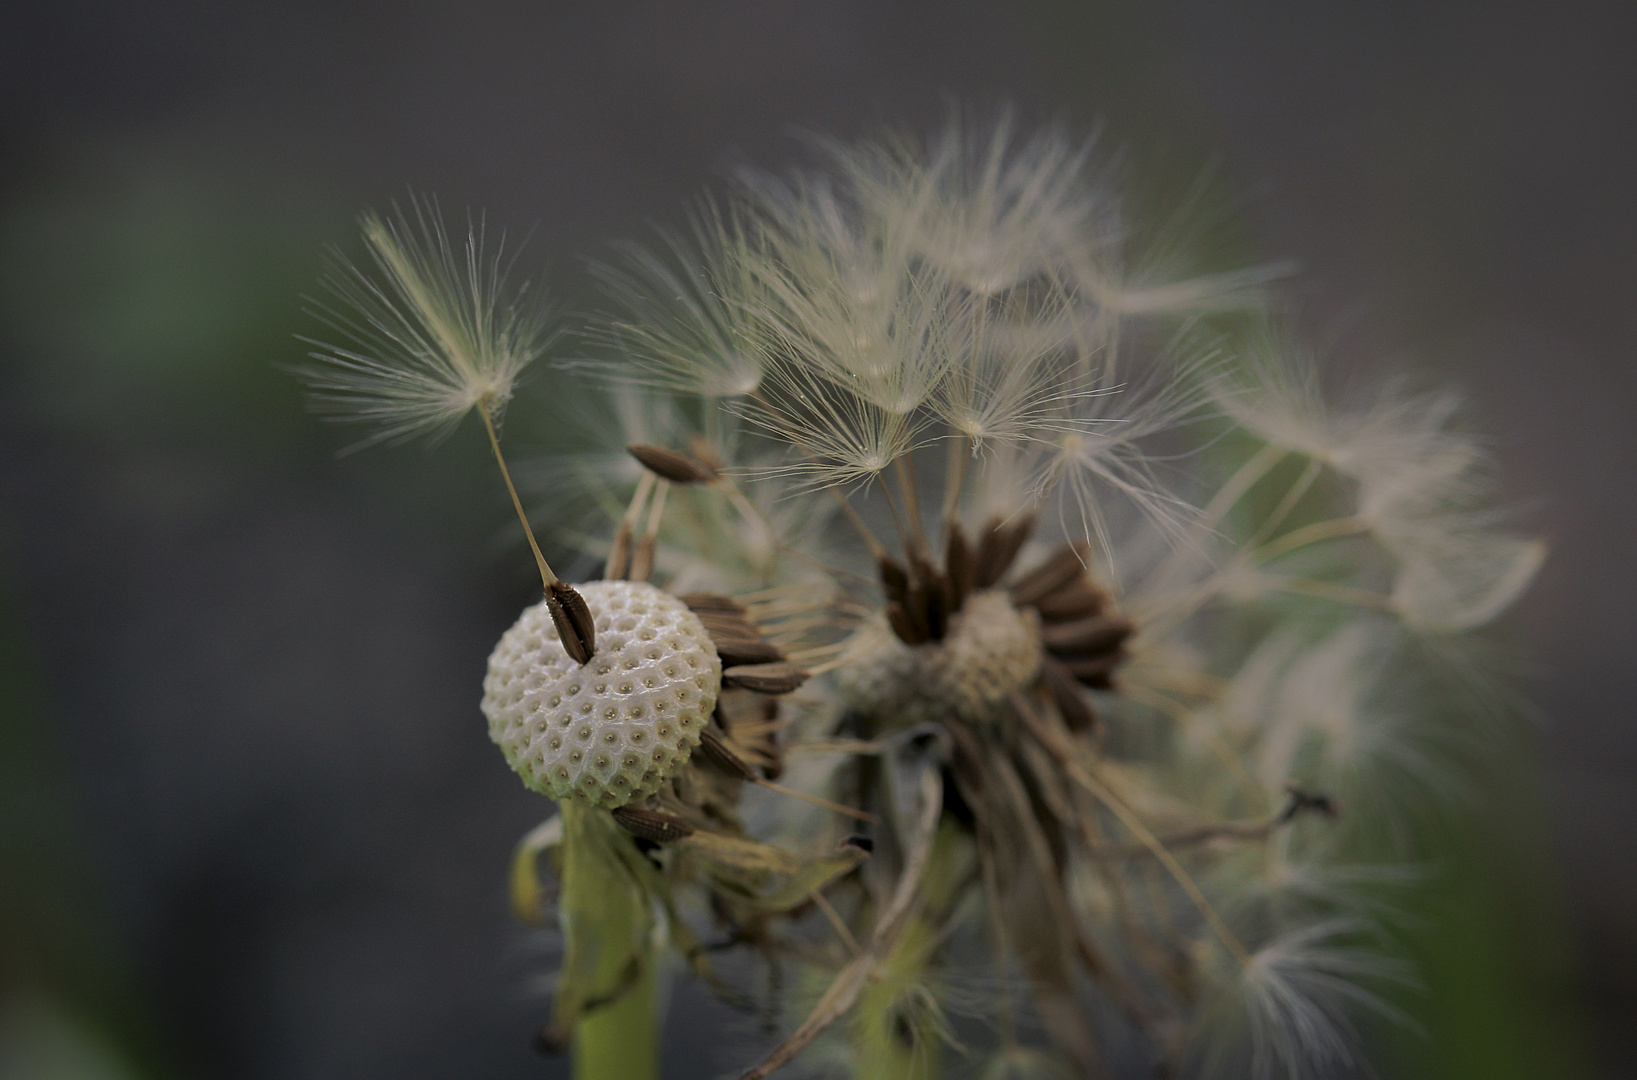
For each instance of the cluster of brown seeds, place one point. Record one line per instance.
(739, 743)
(967, 641)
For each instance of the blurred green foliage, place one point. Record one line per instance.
(69, 1006)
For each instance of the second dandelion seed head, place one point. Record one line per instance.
(991, 650)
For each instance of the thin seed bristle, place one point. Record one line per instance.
(548, 576)
(860, 815)
(619, 555)
(642, 562)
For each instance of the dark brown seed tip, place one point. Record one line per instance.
(937, 608)
(958, 567)
(1093, 635)
(706, 456)
(714, 750)
(673, 466)
(654, 825)
(998, 547)
(739, 652)
(726, 620)
(1301, 799)
(724, 630)
(575, 626)
(1075, 600)
(894, 578)
(705, 601)
(765, 678)
(1098, 672)
(1077, 713)
(1067, 564)
(898, 618)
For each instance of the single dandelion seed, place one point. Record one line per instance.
(433, 334)
(435, 337)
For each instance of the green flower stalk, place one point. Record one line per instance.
(928, 493)
(899, 1026)
(608, 924)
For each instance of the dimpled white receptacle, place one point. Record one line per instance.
(610, 731)
(991, 650)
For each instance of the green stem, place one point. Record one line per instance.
(605, 994)
(547, 575)
(898, 1031)
(896, 1035)
(621, 1041)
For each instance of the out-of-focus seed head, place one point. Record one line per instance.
(611, 731)
(992, 649)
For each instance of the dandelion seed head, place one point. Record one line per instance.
(612, 730)
(1158, 599)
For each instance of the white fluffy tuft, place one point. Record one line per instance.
(435, 332)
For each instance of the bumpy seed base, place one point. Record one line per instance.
(613, 730)
(991, 649)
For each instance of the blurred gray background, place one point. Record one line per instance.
(250, 823)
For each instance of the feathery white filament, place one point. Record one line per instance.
(434, 335)
(1290, 1011)
(987, 209)
(686, 324)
